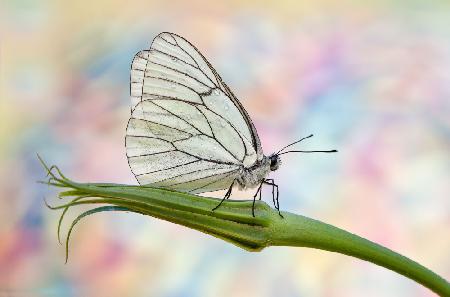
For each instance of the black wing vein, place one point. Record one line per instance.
(205, 177)
(190, 172)
(167, 126)
(168, 168)
(208, 184)
(181, 72)
(175, 58)
(198, 66)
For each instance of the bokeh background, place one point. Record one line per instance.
(370, 78)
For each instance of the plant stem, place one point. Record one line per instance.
(234, 223)
(297, 230)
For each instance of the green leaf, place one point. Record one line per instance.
(88, 213)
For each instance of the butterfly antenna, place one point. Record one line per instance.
(293, 143)
(330, 151)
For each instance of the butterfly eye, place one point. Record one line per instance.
(274, 162)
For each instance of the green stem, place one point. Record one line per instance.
(234, 223)
(296, 230)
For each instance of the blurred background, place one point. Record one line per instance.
(370, 79)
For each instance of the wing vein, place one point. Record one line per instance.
(208, 160)
(186, 74)
(209, 124)
(198, 66)
(159, 138)
(190, 172)
(175, 115)
(234, 128)
(204, 186)
(162, 97)
(167, 40)
(167, 126)
(174, 82)
(173, 58)
(152, 154)
(167, 168)
(214, 136)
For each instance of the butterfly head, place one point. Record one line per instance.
(275, 162)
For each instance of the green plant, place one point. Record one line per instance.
(234, 223)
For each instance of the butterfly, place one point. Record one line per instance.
(187, 131)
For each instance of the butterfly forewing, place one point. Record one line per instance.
(187, 130)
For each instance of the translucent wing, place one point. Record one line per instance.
(187, 130)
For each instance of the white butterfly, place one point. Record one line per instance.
(187, 130)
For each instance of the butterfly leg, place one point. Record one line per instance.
(274, 197)
(260, 195)
(227, 195)
(273, 194)
(278, 202)
(254, 197)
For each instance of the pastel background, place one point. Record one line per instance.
(369, 78)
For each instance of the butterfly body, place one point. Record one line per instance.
(252, 177)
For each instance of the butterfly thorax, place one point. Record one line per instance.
(251, 177)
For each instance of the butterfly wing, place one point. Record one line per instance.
(187, 130)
